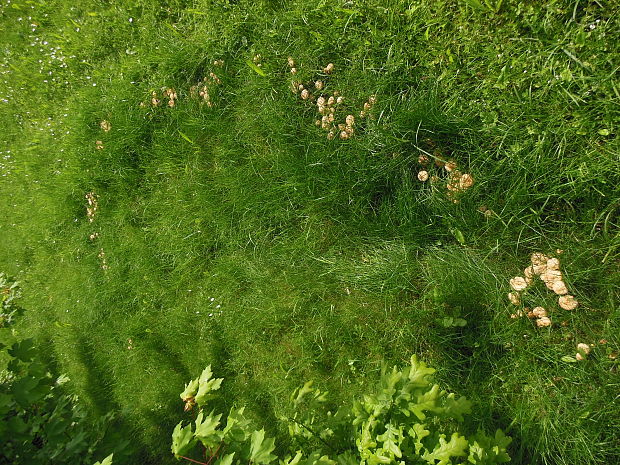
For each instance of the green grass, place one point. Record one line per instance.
(238, 235)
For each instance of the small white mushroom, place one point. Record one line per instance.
(423, 175)
(553, 264)
(539, 312)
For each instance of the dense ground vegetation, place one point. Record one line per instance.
(226, 228)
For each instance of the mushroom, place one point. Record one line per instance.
(423, 175)
(539, 312)
(560, 288)
(518, 283)
(568, 302)
(539, 259)
(466, 181)
(543, 322)
(514, 297)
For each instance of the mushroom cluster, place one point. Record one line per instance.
(548, 270)
(201, 90)
(171, 95)
(582, 351)
(105, 125)
(92, 207)
(456, 181)
(328, 105)
(102, 259)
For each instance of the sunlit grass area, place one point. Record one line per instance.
(301, 190)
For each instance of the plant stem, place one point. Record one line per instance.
(192, 460)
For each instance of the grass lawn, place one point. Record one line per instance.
(174, 193)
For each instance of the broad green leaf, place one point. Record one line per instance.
(378, 458)
(426, 402)
(106, 461)
(16, 425)
(206, 430)
(302, 391)
(390, 439)
(419, 372)
(568, 359)
(446, 450)
(292, 461)
(6, 401)
(347, 458)
(499, 449)
(23, 350)
(418, 432)
(190, 390)
(456, 408)
(182, 439)
(258, 70)
(317, 459)
(206, 385)
(225, 460)
(366, 439)
(22, 390)
(389, 381)
(261, 448)
(236, 425)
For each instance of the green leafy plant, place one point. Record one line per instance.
(39, 422)
(9, 292)
(407, 419)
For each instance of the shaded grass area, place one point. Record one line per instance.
(238, 235)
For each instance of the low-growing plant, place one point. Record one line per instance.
(407, 419)
(39, 423)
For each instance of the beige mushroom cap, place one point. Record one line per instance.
(518, 283)
(514, 297)
(466, 181)
(568, 302)
(583, 348)
(539, 258)
(551, 276)
(559, 287)
(543, 322)
(553, 264)
(539, 312)
(423, 175)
